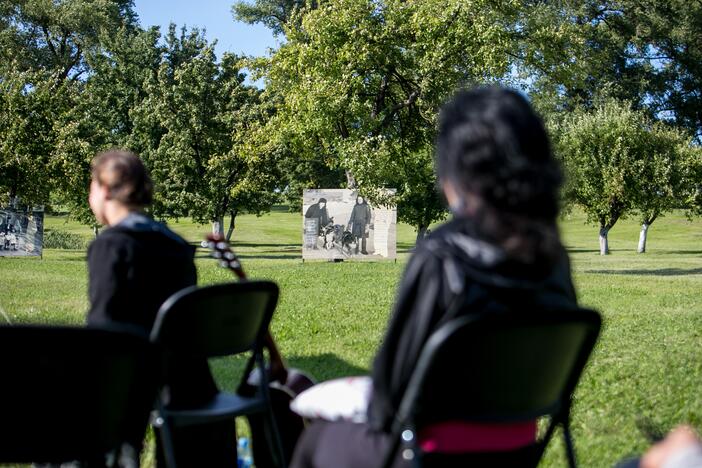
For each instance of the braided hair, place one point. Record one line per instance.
(492, 145)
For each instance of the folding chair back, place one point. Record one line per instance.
(213, 321)
(501, 368)
(72, 393)
(217, 320)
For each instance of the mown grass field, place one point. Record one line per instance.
(331, 316)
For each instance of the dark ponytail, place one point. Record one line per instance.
(492, 145)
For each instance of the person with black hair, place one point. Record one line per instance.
(319, 212)
(134, 265)
(501, 250)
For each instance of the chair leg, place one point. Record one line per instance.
(263, 388)
(277, 442)
(570, 449)
(166, 440)
(391, 453)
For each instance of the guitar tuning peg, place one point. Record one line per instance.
(217, 254)
(235, 264)
(229, 255)
(224, 264)
(221, 245)
(204, 244)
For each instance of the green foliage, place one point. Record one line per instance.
(193, 128)
(57, 239)
(44, 50)
(647, 53)
(29, 104)
(101, 115)
(360, 82)
(274, 14)
(617, 160)
(56, 35)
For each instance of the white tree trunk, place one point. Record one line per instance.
(604, 242)
(218, 226)
(642, 237)
(96, 231)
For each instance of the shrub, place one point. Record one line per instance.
(55, 239)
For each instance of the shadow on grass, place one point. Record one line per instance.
(682, 252)
(272, 257)
(325, 366)
(572, 250)
(282, 246)
(658, 272)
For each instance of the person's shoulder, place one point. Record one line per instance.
(111, 236)
(111, 243)
(435, 242)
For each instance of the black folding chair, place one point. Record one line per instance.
(73, 393)
(214, 321)
(496, 368)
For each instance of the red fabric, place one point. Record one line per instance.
(458, 437)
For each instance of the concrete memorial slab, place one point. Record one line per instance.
(21, 232)
(340, 224)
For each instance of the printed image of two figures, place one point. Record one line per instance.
(349, 238)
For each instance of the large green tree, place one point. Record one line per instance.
(101, 116)
(360, 83)
(44, 50)
(667, 178)
(55, 36)
(29, 103)
(199, 115)
(618, 161)
(646, 52)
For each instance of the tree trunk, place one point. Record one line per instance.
(642, 237)
(350, 179)
(96, 230)
(421, 232)
(604, 242)
(218, 226)
(232, 225)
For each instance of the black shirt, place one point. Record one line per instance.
(133, 268)
(454, 264)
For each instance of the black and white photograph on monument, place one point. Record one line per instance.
(21, 232)
(342, 224)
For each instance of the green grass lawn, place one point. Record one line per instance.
(331, 316)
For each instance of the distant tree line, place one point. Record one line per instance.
(350, 99)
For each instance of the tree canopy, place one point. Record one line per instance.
(351, 99)
(619, 161)
(360, 84)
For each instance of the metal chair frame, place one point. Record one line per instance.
(73, 393)
(494, 330)
(214, 321)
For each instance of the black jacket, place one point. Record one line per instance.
(454, 264)
(133, 268)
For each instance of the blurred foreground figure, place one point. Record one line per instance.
(682, 448)
(501, 251)
(134, 265)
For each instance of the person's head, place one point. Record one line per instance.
(120, 183)
(359, 200)
(494, 162)
(322, 202)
